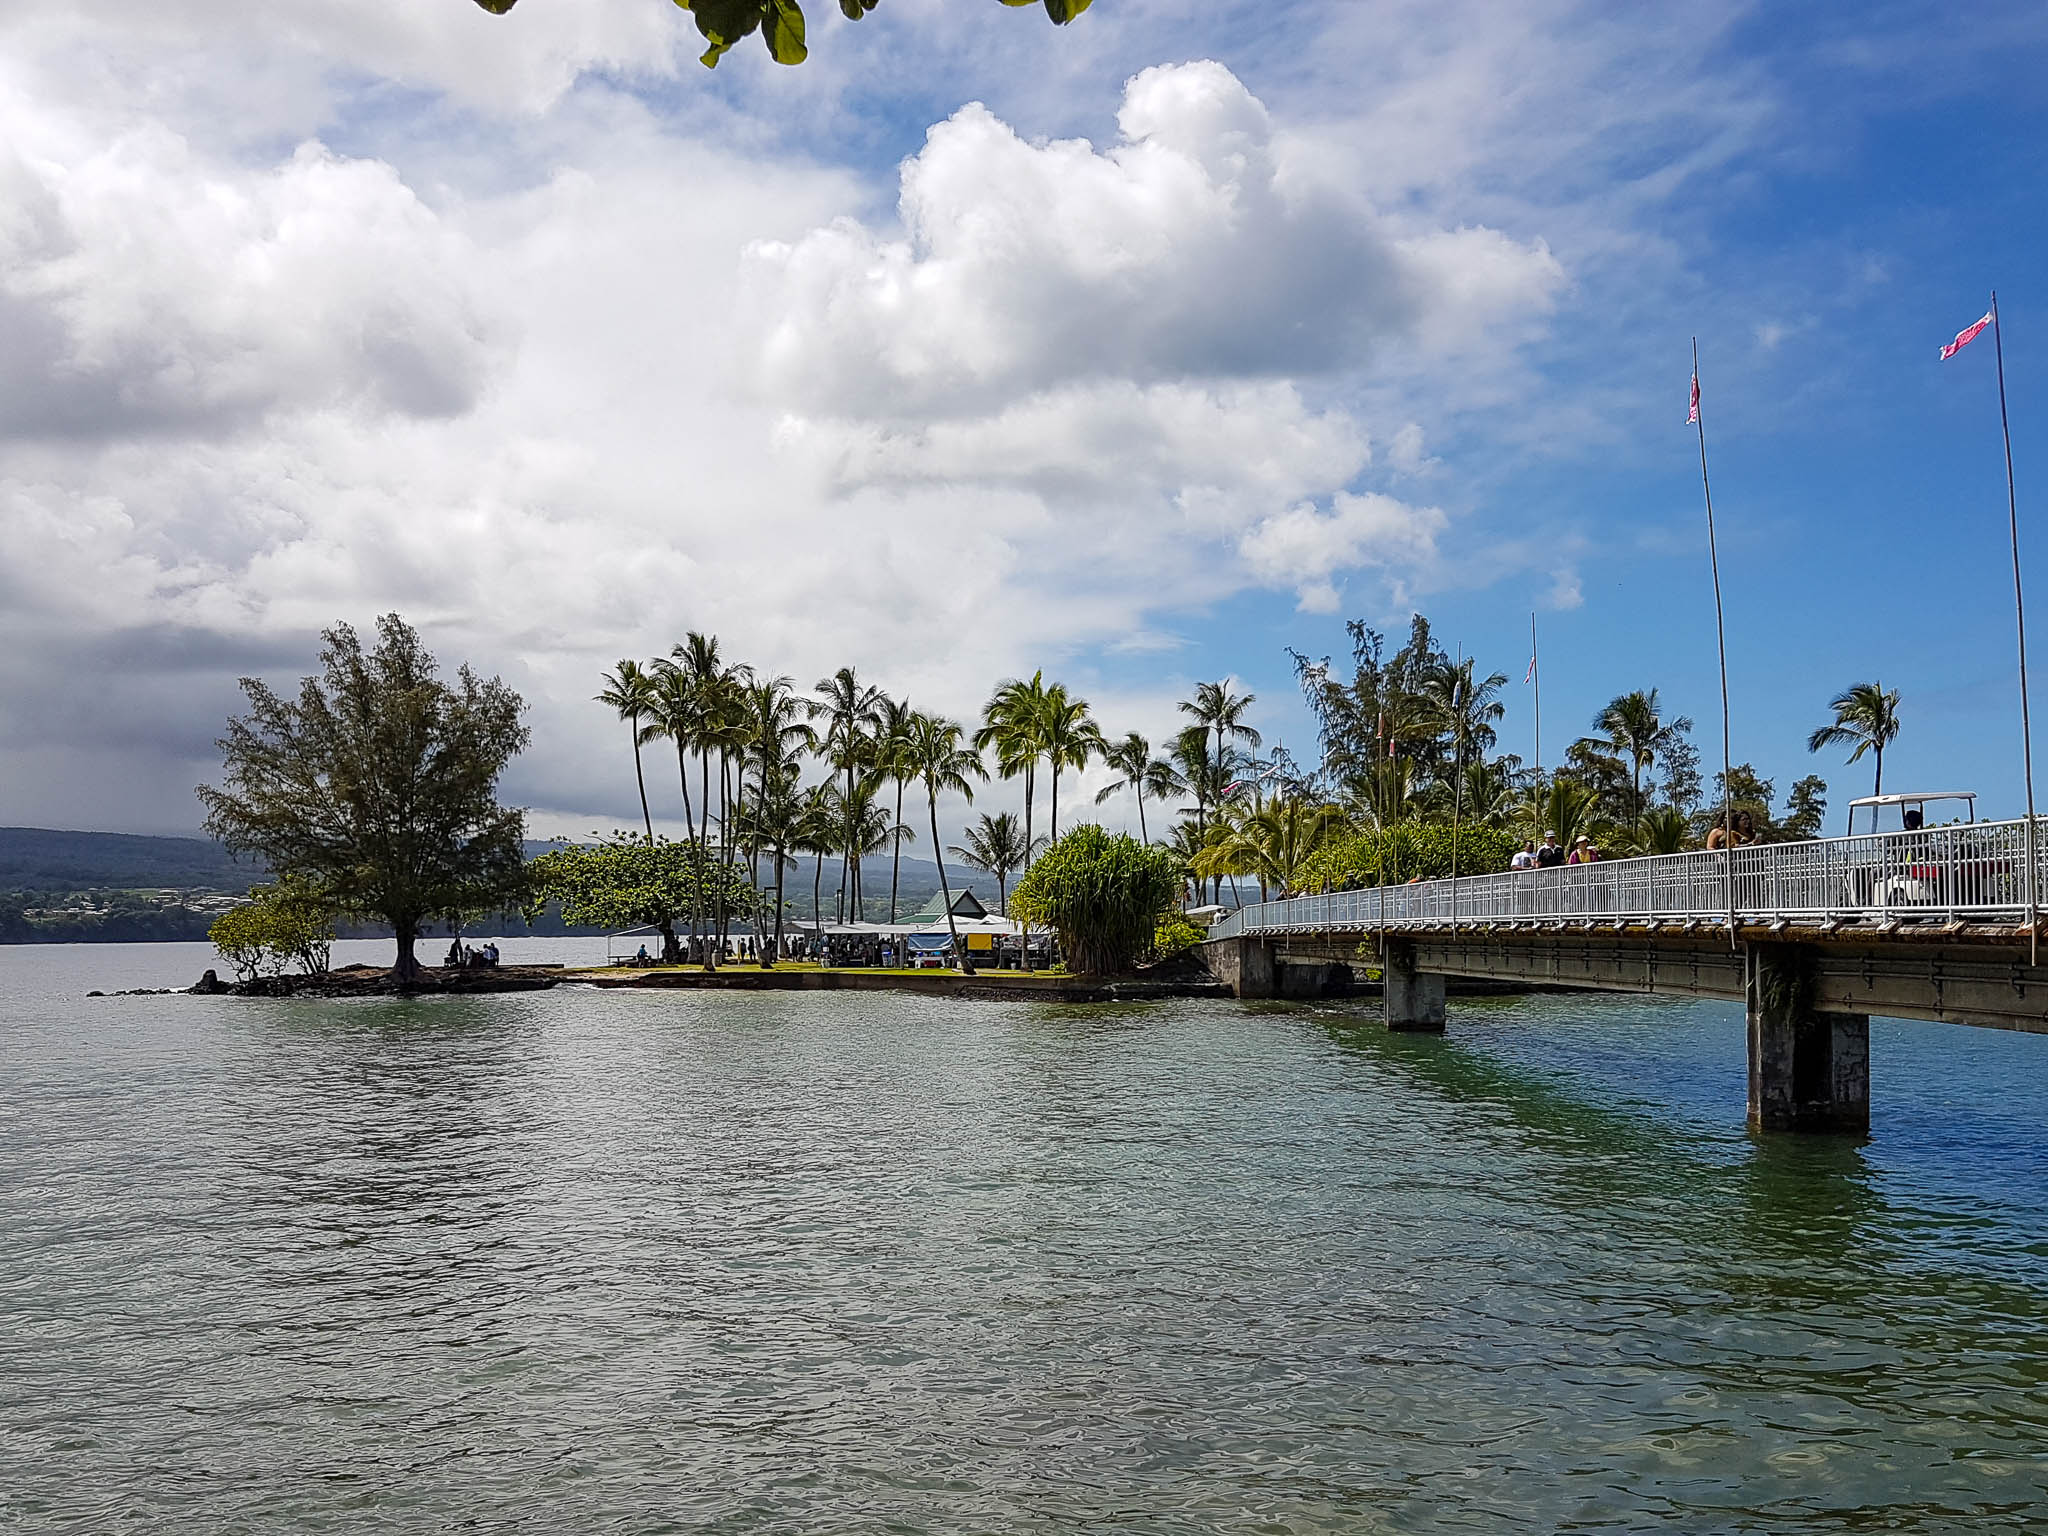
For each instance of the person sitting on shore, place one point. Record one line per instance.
(454, 957)
(1525, 856)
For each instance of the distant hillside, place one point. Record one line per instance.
(37, 859)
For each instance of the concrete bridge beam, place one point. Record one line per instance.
(1808, 1070)
(1414, 998)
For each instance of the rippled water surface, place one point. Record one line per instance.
(587, 1261)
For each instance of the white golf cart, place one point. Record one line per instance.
(1907, 877)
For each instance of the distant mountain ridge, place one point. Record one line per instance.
(47, 859)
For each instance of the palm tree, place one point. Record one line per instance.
(1010, 722)
(1068, 736)
(1215, 707)
(942, 764)
(892, 738)
(995, 846)
(773, 738)
(1273, 843)
(1632, 725)
(817, 833)
(851, 710)
(630, 690)
(777, 822)
(1132, 758)
(676, 715)
(1468, 707)
(863, 829)
(1196, 769)
(1867, 718)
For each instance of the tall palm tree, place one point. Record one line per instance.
(1866, 718)
(1132, 759)
(773, 736)
(677, 715)
(629, 689)
(892, 740)
(1195, 766)
(1069, 736)
(777, 823)
(940, 762)
(1214, 707)
(1273, 843)
(851, 711)
(995, 846)
(863, 829)
(1010, 727)
(1632, 725)
(1468, 707)
(817, 833)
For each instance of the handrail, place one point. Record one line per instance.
(1972, 870)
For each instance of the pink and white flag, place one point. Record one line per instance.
(1964, 337)
(1694, 414)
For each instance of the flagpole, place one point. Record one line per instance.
(1721, 640)
(2019, 608)
(1536, 677)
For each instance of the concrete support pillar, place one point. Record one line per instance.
(1246, 966)
(1808, 1071)
(1414, 999)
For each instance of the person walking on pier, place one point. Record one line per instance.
(1549, 856)
(1525, 856)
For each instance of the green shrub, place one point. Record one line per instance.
(1175, 935)
(1103, 895)
(1402, 852)
(292, 920)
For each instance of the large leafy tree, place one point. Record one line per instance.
(1866, 720)
(622, 882)
(378, 783)
(724, 24)
(1102, 894)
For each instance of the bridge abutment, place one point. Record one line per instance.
(1414, 999)
(1245, 965)
(1808, 1070)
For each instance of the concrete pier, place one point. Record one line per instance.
(1809, 1070)
(1414, 999)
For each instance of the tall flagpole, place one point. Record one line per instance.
(1536, 677)
(1721, 639)
(2019, 608)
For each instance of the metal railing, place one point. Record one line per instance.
(1968, 871)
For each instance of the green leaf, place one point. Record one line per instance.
(1064, 11)
(853, 10)
(784, 33)
(723, 23)
(497, 7)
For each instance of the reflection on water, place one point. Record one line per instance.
(581, 1261)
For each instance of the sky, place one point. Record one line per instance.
(1143, 350)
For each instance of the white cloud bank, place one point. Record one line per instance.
(1077, 394)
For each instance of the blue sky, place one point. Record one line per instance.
(534, 330)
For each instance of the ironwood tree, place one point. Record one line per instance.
(378, 784)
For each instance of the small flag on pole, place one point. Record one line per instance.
(1530, 675)
(1693, 415)
(1964, 337)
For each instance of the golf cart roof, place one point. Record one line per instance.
(1939, 794)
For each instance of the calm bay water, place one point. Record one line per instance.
(585, 1261)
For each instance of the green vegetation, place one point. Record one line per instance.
(1174, 935)
(291, 922)
(724, 24)
(1103, 895)
(1867, 719)
(1407, 850)
(624, 882)
(378, 785)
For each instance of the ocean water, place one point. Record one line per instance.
(601, 1261)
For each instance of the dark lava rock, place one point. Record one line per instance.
(210, 984)
(372, 981)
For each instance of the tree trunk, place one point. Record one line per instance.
(407, 967)
(1054, 834)
(707, 959)
(769, 958)
(896, 857)
(689, 834)
(1145, 836)
(1024, 933)
(1877, 784)
(817, 886)
(946, 895)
